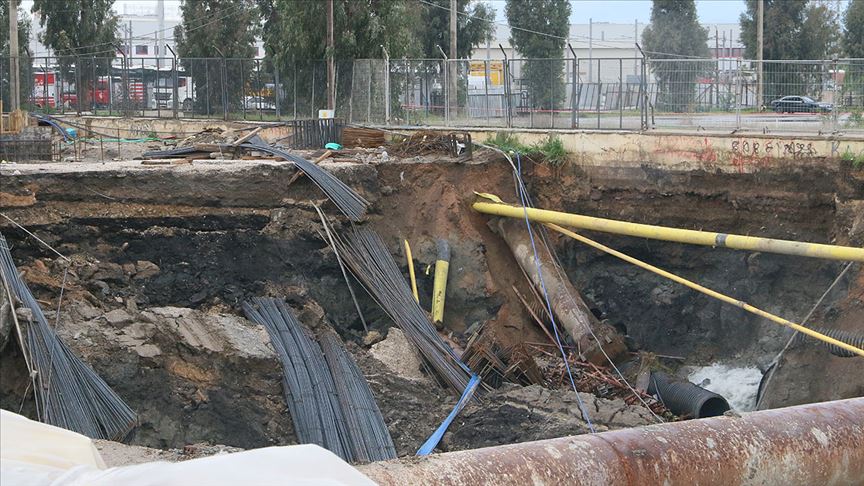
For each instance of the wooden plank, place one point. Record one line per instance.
(246, 137)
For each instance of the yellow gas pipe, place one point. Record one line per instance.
(717, 295)
(411, 271)
(707, 238)
(439, 286)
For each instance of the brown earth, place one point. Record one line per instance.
(201, 239)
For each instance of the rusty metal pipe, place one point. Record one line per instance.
(821, 443)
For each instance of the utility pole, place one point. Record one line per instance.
(14, 73)
(331, 63)
(160, 28)
(454, 68)
(760, 43)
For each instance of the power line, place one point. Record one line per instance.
(545, 34)
(145, 36)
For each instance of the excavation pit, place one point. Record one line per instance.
(163, 256)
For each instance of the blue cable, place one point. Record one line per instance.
(436, 436)
(522, 197)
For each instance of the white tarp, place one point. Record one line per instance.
(36, 454)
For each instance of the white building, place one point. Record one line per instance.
(600, 45)
(143, 31)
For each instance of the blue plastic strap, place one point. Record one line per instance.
(436, 436)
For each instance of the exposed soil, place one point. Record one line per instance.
(162, 259)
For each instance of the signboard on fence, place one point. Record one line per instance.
(477, 73)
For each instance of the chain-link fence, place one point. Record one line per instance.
(615, 93)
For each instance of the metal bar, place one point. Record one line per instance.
(711, 293)
(807, 444)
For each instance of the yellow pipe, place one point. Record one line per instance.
(695, 237)
(439, 286)
(411, 271)
(717, 295)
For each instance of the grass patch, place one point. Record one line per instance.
(551, 150)
(857, 161)
(507, 142)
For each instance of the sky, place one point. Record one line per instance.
(618, 11)
(624, 11)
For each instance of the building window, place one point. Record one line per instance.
(140, 50)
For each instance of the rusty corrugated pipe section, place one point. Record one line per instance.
(820, 444)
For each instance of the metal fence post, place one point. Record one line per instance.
(553, 102)
(369, 92)
(386, 88)
(507, 89)
(643, 95)
(93, 84)
(599, 89)
(834, 98)
(351, 93)
(277, 87)
(78, 83)
(485, 89)
(738, 74)
(574, 102)
(620, 91)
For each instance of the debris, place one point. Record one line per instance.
(397, 354)
(425, 142)
(363, 137)
(372, 337)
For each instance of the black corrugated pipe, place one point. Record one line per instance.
(684, 398)
(850, 337)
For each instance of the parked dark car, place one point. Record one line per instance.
(800, 104)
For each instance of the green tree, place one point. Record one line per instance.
(853, 47)
(83, 34)
(25, 61)
(792, 30)
(543, 70)
(673, 36)
(853, 30)
(230, 25)
(295, 40)
(474, 25)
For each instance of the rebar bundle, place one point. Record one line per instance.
(328, 398)
(368, 258)
(309, 389)
(346, 199)
(367, 433)
(69, 394)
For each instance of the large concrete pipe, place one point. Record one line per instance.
(821, 444)
(567, 305)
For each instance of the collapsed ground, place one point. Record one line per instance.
(163, 257)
